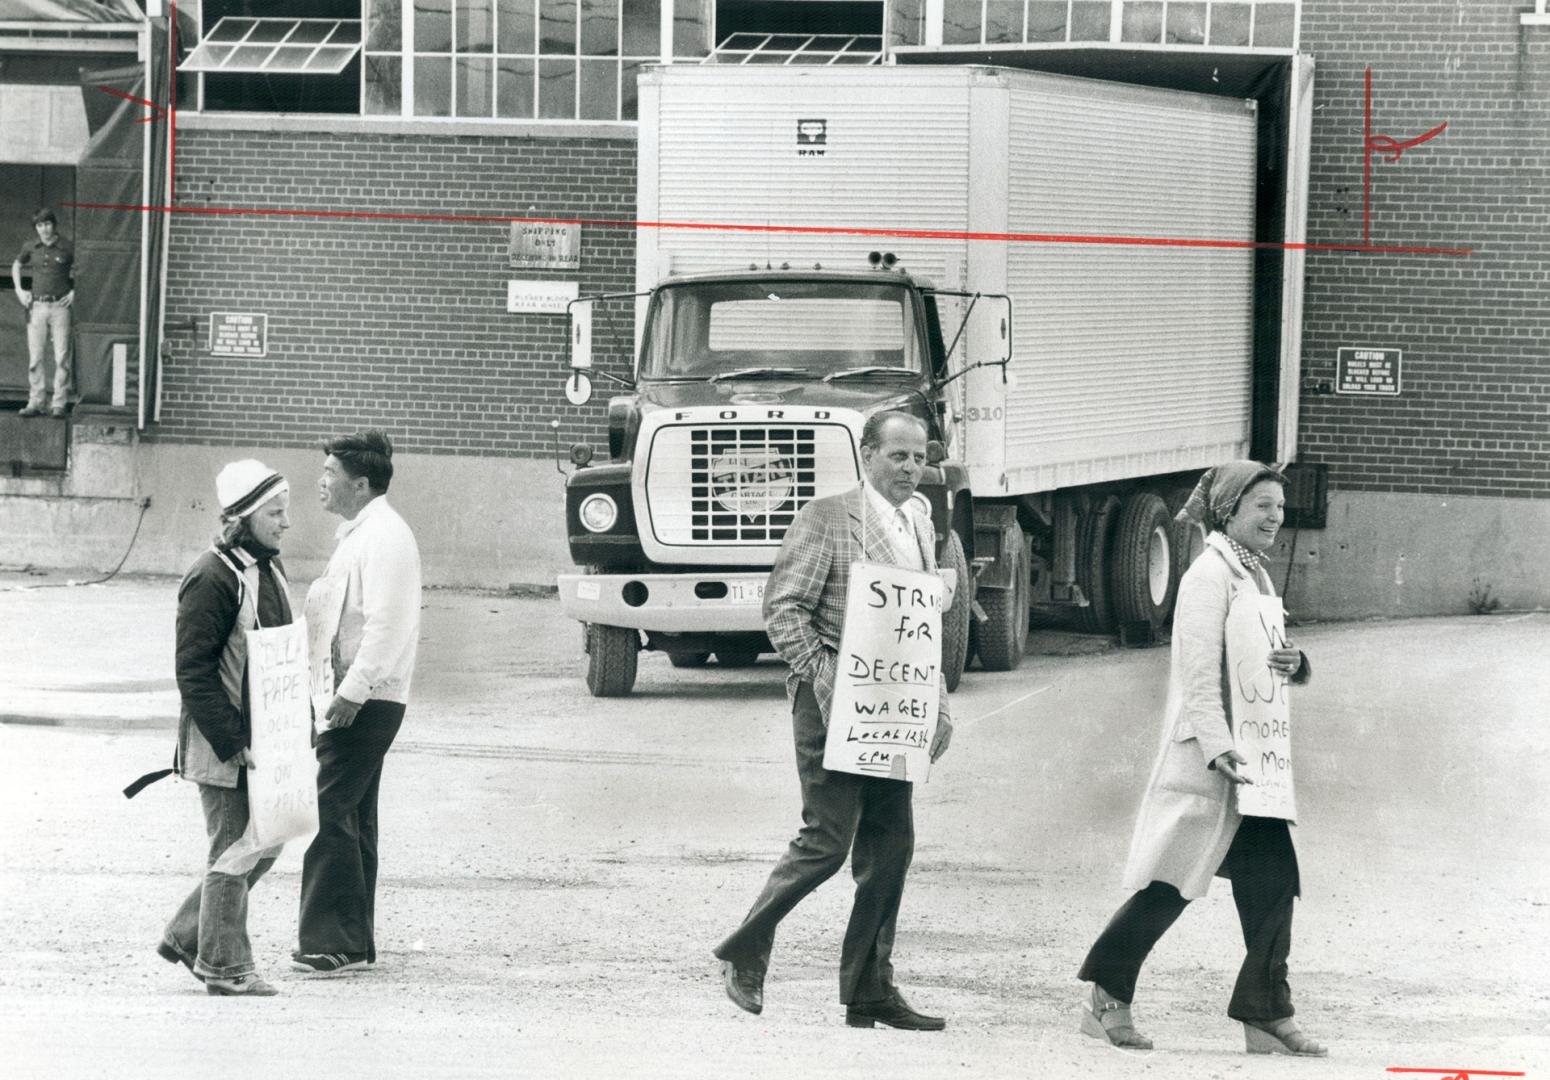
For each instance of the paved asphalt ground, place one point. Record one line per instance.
(556, 868)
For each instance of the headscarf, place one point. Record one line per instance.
(1217, 494)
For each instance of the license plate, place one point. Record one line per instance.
(746, 592)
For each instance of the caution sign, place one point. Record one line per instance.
(235, 333)
(887, 685)
(1368, 371)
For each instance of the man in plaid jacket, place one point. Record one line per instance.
(804, 609)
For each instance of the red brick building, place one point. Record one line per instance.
(446, 120)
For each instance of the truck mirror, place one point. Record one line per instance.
(580, 335)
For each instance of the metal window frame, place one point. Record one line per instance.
(805, 54)
(936, 12)
(409, 55)
(343, 52)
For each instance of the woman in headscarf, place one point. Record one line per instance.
(234, 587)
(1189, 827)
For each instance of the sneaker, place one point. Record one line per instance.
(31, 410)
(173, 956)
(249, 985)
(327, 963)
(57, 412)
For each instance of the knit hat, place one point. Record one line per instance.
(243, 486)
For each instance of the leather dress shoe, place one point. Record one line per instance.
(744, 987)
(892, 1011)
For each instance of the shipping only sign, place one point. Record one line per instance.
(234, 333)
(543, 245)
(1368, 371)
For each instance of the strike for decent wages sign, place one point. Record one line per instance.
(283, 788)
(887, 684)
(1261, 711)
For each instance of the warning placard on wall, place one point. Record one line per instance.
(1368, 371)
(239, 334)
(540, 297)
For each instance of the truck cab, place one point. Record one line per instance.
(749, 395)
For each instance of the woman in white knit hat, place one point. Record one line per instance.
(235, 586)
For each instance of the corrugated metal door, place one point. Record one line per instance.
(1130, 360)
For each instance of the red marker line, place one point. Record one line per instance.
(928, 234)
(1456, 1072)
(1385, 146)
(1393, 149)
(160, 112)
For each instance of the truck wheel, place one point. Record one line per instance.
(688, 659)
(1094, 535)
(1002, 638)
(736, 657)
(612, 652)
(1142, 567)
(955, 620)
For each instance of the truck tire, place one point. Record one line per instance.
(956, 619)
(688, 659)
(1002, 637)
(1094, 534)
(1143, 576)
(736, 657)
(612, 653)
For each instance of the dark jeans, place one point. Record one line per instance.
(869, 817)
(339, 873)
(210, 929)
(1263, 867)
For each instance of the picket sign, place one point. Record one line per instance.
(1261, 709)
(283, 787)
(324, 605)
(886, 683)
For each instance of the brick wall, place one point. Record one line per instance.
(1474, 415)
(403, 323)
(395, 323)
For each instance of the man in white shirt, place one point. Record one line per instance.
(375, 576)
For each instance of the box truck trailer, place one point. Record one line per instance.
(1055, 274)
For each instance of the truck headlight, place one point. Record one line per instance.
(598, 513)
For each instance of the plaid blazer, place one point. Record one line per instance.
(804, 598)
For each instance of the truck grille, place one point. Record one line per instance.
(744, 483)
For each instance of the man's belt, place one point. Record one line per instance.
(49, 299)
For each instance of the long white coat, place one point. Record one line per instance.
(1189, 814)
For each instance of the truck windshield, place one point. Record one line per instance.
(797, 329)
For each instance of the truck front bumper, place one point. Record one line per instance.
(672, 603)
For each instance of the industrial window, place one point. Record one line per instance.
(297, 46)
(294, 56)
(747, 48)
(526, 59)
(1234, 24)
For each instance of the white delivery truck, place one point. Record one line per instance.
(1068, 302)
